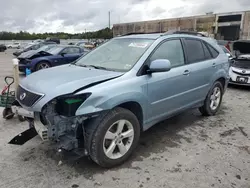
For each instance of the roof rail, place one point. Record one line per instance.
(170, 32)
(138, 33)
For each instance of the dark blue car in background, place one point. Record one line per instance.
(58, 55)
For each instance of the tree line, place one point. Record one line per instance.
(105, 33)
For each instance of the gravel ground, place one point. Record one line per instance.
(185, 151)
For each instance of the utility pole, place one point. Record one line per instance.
(109, 19)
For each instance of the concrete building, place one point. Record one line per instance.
(224, 26)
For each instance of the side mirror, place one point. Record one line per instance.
(159, 65)
(63, 54)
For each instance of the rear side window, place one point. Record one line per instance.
(194, 50)
(214, 52)
(207, 52)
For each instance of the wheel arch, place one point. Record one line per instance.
(135, 108)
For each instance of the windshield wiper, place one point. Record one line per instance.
(94, 66)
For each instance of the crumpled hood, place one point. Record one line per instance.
(64, 79)
(243, 46)
(27, 54)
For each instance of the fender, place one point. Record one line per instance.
(101, 103)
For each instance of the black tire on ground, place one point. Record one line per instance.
(206, 110)
(7, 113)
(38, 66)
(96, 129)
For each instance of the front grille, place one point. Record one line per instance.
(26, 97)
(242, 74)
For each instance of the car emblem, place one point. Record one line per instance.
(243, 71)
(22, 96)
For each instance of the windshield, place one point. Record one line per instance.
(117, 54)
(28, 46)
(46, 48)
(55, 50)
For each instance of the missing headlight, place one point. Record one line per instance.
(68, 104)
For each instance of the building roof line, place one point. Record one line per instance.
(184, 17)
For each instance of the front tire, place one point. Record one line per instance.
(213, 100)
(42, 65)
(113, 137)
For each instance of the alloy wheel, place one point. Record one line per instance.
(215, 98)
(118, 139)
(43, 66)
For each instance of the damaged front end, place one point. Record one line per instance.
(58, 124)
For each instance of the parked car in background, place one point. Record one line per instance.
(99, 105)
(14, 45)
(80, 43)
(85, 44)
(2, 47)
(240, 67)
(56, 40)
(34, 46)
(58, 55)
(26, 57)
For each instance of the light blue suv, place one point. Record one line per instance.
(100, 104)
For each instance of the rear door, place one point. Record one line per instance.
(201, 65)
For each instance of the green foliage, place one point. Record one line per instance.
(23, 35)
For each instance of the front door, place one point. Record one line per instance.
(71, 54)
(166, 90)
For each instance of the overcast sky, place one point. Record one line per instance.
(77, 15)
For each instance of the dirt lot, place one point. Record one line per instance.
(185, 151)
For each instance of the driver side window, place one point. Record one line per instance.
(171, 50)
(71, 50)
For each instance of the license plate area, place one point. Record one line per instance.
(242, 79)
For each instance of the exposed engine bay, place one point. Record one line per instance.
(66, 132)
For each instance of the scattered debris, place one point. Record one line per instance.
(245, 148)
(174, 170)
(114, 179)
(229, 132)
(242, 131)
(238, 177)
(98, 184)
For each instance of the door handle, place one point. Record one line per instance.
(214, 65)
(186, 72)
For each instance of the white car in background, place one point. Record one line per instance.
(14, 45)
(239, 71)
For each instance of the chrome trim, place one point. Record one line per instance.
(42, 95)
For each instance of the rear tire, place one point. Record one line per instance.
(42, 65)
(112, 137)
(213, 100)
